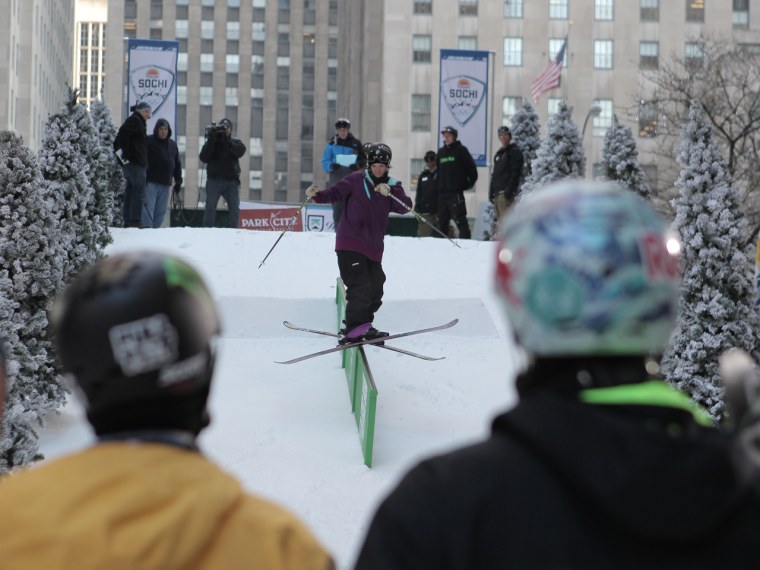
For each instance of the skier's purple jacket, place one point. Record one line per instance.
(365, 218)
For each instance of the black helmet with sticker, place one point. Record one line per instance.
(379, 152)
(135, 332)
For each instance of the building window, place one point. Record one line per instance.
(513, 8)
(741, 14)
(415, 169)
(649, 10)
(258, 31)
(84, 34)
(509, 108)
(649, 55)
(232, 62)
(552, 105)
(554, 46)
(181, 95)
(558, 9)
(423, 6)
(692, 54)
(602, 54)
(421, 49)
(180, 29)
(206, 95)
(647, 119)
(695, 10)
(207, 62)
(233, 30)
(750, 49)
(467, 42)
(207, 30)
(182, 61)
(421, 113)
(283, 45)
(512, 52)
(468, 7)
(603, 121)
(604, 9)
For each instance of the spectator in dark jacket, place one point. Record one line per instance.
(220, 153)
(343, 155)
(599, 465)
(505, 179)
(369, 197)
(164, 169)
(131, 146)
(426, 196)
(456, 173)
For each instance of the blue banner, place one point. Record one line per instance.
(463, 99)
(152, 77)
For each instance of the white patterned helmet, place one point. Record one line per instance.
(588, 269)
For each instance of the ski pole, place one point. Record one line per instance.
(421, 219)
(298, 213)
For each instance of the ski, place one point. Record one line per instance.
(369, 341)
(385, 346)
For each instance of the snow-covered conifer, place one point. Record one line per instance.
(31, 274)
(620, 159)
(717, 306)
(109, 203)
(560, 154)
(69, 137)
(526, 132)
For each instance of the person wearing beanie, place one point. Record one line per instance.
(220, 153)
(456, 173)
(507, 168)
(426, 195)
(164, 170)
(135, 333)
(131, 147)
(370, 196)
(343, 155)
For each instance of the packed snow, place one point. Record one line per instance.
(286, 431)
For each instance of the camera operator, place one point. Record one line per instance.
(220, 153)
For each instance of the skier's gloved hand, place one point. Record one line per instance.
(383, 189)
(334, 166)
(311, 191)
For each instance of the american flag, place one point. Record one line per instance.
(548, 79)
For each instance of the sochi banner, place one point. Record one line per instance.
(151, 77)
(463, 101)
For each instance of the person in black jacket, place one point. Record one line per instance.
(426, 196)
(163, 166)
(456, 173)
(505, 178)
(599, 465)
(220, 153)
(131, 146)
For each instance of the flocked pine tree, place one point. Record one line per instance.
(620, 159)
(717, 305)
(526, 132)
(31, 274)
(560, 154)
(108, 179)
(69, 137)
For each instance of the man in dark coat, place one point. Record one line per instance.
(131, 146)
(599, 465)
(505, 179)
(164, 169)
(426, 195)
(220, 153)
(456, 173)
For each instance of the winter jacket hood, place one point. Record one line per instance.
(128, 505)
(162, 123)
(163, 158)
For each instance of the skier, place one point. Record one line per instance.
(369, 197)
(599, 465)
(136, 333)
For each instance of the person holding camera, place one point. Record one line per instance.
(220, 153)
(131, 147)
(163, 166)
(343, 155)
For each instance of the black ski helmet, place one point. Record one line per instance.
(379, 152)
(136, 332)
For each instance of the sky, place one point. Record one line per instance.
(286, 431)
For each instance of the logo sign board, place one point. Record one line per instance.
(151, 77)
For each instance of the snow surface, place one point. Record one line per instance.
(286, 431)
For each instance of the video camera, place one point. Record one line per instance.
(216, 131)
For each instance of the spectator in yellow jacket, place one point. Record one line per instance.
(136, 334)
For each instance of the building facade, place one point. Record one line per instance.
(90, 17)
(270, 66)
(394, 87)
(36, 46)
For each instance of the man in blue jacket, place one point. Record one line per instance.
(342, 156)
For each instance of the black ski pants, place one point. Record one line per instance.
(452, 206)
(364, 280)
